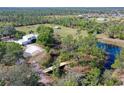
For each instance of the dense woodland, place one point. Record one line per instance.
(82, 50)
(29, 16)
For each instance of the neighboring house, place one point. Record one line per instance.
(27, 39)
(57, 27)
(80, 16)
(101, 20)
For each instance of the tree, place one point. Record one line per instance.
(19, 34)
(65, 56)
(115, 30)
(71, 79)
(119, 62)
(45, 36)
(8, 31)
(2, 82)
(11, 32)
(89, 53)
(10, 53)
(2, 49)
(56, 71)
(108, 80)
(70, 83)
(43, 28)
(68, 43)
(32, 80)
(91, 78)
(18, 75)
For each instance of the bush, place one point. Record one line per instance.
(108, 80)
(19, 34)
(56, 72)
(32, 80)
(119, 62)
(45, 63)
(65, 56)
(91, 78)
(2, 82)
(70, 83)
(8, 30)
(43, 28)
(116, 64)
(18, 75)
(121, 36)
(70, 79)
(112, 81)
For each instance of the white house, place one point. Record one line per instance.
(101, 20)
(80, 15)
(27, 39)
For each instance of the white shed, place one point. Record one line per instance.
(27, 39)
(29, 36)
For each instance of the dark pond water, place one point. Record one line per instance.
(112, 51)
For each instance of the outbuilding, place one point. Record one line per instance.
(57, 27)
(27, 39)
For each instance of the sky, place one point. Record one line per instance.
(61, 3)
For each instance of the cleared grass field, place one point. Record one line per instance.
(64, 31)
(27, 28)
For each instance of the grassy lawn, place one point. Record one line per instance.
(27, 28)
(64, 31)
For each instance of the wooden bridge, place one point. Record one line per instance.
(54, 67)
(44, 78)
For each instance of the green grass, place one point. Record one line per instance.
(27, 28)
(64, 31)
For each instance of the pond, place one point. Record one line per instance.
(112, 51)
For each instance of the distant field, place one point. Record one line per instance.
(64, 31)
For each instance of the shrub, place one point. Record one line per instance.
(121, 36)
(65, 56)
(18, 75)
(91, 78)
(32, 80)
(108, 80)
(116, 64)
(70, 83)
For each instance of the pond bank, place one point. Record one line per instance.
(105, 39)
(111, 50)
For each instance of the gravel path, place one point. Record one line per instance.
(44, 79)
